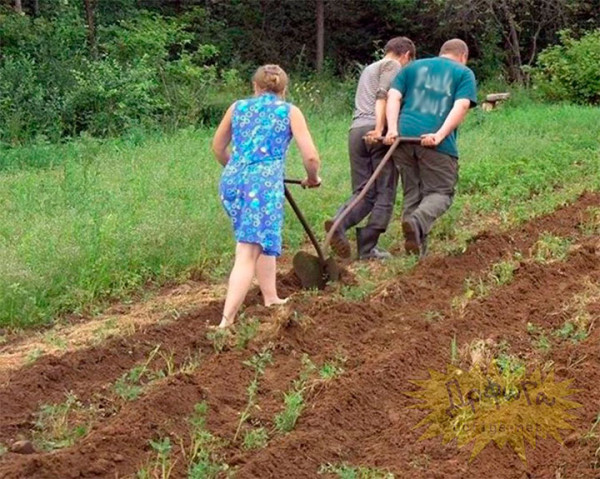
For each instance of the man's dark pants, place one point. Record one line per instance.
(428, 183)
(380, 199)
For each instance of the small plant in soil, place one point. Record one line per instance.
(332, 369)
(219, 338)
(258, 364)
(191, 363)
(570, 331)
(538, 337)
(246, 330)
(590, 222)
(593, 436)
(512, 370)
(503, 272)
(420, 462)
(131, 384)
(169, 359)
(3, 449)
(432, 316)
(357, 292)
(60, 425)
(161, 466)
(256, 438)
(400, 265)
(345, 471)
(293, 400)
(55, 340)
(104, 331)
(550, 248)
(34, 355)
(202, 455)
(454, 350)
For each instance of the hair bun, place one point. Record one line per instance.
(271, 78)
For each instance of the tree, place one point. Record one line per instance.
(320, 34)
(18, 6)
(90, 7)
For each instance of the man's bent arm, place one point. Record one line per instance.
(453, 120)
(392, 111)
(380, 106)
(455, 117)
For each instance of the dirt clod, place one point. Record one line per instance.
(22, 447)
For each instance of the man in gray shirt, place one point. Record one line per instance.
(369, 120)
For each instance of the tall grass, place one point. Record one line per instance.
(88, 221)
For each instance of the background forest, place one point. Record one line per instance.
(106, 67)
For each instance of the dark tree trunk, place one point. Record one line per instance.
(36, 8)
(513, 40)
(90, 7)
(320, 34)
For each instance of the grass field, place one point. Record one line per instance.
(87, 222)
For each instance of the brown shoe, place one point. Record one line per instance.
(339, 242)
(412, 236)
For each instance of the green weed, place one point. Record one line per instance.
(131, 384)
(345, 471)
(55, 340)
(503, 272)
(332, 369)
(539, 339)
(34, 355)
(570, 331)
(433, 316)
(258, 364)
(60, 425)
(219, 338)
(500, 274)
(105, 330)
(420, 462)
(3, 449)
(246, 330)
(453, 350)
(590, 222)
(161, 467)
(357, 292)
(202, 456)
(550, 248)
(293, 400)
(255, 438)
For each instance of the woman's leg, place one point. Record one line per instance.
(265, 273)
(240, 280)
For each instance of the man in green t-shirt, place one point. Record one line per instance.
(435, 95)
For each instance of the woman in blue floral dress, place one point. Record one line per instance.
(259, 130)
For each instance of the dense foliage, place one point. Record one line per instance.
(113, 66)
(571, 71)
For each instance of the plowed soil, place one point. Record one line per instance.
(361, 417)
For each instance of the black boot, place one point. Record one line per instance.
(366, 244)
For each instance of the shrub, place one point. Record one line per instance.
(571, 70)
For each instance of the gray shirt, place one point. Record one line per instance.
(374, 83)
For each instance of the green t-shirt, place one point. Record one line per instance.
(429, 88)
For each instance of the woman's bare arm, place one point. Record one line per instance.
(222, 138)
(310, 156)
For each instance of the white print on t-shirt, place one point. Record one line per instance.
(425, 84)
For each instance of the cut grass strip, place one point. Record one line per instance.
(111, 217)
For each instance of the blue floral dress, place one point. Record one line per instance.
(251, 186)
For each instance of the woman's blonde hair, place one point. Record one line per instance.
(271, 78)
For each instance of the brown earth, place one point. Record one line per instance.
(396, 335)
